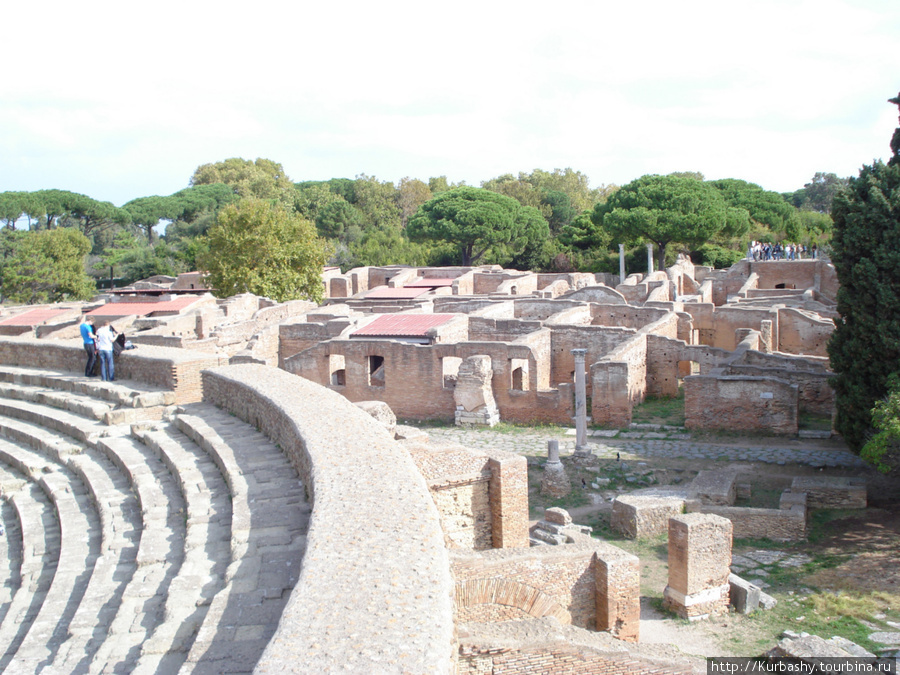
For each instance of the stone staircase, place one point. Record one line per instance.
(139, 537)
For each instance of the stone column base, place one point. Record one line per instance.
(702, 605)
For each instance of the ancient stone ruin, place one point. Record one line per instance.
(212, 511)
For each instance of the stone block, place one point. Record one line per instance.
(558, 516)
(743, 595)
(714, 487)
(382, 412)
(638, 516)
(699, 565)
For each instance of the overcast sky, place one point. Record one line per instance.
(122, 100)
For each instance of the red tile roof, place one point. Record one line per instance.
(395, 293)
(142, 308)
(429, 283)
(32, 317)
(402, 325)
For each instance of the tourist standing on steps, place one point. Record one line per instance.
(105, 345)
(90, 347)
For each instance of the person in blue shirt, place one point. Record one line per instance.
(90, 347)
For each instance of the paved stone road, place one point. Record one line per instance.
(775, 451)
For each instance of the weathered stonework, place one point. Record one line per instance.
(699, 565)
(473, 395)
(637, 516)
(832, 492)
(592, 584)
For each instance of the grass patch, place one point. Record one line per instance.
(667, 410)
(812, 422)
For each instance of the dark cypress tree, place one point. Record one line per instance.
(865, 346)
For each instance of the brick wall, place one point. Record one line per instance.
(592, 585)
(799, 333)
(482, 498)
(414, 382)
(375, 587)
(741, 403)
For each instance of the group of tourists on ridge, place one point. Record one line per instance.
(759, 250)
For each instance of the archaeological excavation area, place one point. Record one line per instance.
(243, 498)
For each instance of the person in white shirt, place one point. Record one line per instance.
(105, 336)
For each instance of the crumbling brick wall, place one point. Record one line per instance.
(592, 585)
(482, 498)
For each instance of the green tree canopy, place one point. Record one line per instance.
(256, 247)
(667, 209)
(818, 194)
(262, 178)
(48, 266)
(865, 345)
(764, 206)
(475, 220)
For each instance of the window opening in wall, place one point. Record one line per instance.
(450, 371)
(376, 371)
(337, 370)
(686, 368)
(518, 369)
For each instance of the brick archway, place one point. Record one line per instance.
(506, 593)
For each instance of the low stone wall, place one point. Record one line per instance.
(749, 523)
(374, 594)
(175, 369)
(592, 585)
(832, 492)
(636, 516)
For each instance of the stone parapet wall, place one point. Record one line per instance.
(787, 524)
(373, 544)
(175, 369)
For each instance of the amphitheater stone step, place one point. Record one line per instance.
(196, 531)
(78, 555)
(268, 546)
(207, 547)
(40, 545)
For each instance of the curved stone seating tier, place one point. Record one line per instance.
(79, 549)
(374, 593)
(192, 546)
(10, 550)
(207, 549)
(40, 536)
(267, 540)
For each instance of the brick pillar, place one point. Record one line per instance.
(509, 501)
(617, 583)
(699, 564)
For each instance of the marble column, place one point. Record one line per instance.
(649, 259)
(621, 263)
